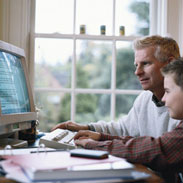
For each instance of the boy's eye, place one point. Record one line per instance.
(167, 91)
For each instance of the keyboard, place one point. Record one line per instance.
(59, 139)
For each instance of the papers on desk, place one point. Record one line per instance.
(14, 172)
(60, 166)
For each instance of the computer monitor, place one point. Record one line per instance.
(17, 109)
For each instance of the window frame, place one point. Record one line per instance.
(113, 91)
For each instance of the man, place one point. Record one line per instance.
(163, 154)
(148, 115)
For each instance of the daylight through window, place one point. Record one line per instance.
(84, 67)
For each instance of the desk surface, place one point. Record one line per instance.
(153, 179)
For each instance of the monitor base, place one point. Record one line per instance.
(14, 143)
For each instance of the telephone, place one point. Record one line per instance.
(59, 139)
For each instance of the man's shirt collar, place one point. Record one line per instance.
(157, 102)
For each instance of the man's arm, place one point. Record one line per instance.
(126, 125)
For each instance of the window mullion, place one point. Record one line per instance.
(113, 67)
(74, 18)
(113, 81)
(73, 83)
(113, 19)
(73, 79)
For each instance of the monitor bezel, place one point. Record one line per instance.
(10, 119)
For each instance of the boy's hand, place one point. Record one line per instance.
(86, 134)
(82, 142)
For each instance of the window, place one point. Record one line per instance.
(86, 77)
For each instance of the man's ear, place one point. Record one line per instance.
(170, 59)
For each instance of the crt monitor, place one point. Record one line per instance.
(17, 109)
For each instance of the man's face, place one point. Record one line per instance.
(148, 70)
(173, 97)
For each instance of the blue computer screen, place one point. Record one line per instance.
(13, 89)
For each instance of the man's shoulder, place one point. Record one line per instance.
(146, 95)
(143, 99)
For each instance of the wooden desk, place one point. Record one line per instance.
(153, 179)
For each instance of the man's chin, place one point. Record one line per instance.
(145, 87)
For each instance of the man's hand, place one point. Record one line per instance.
(73, 126)
(86, 134)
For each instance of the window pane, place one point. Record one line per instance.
(92, 107)
(54, 16)
(125, 77)
(53, 62)
(94, 64)
(92, 14)
(124, 104)
(54, 107)
(134, 15)
(54, 57)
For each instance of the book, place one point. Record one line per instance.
(60, 166)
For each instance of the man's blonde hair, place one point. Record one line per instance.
(165, 47)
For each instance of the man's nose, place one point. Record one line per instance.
(138, 70)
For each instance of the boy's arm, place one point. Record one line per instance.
(158, 153)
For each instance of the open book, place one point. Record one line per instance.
(56, 166)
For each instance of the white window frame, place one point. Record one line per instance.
(73, 90)
(18, 28)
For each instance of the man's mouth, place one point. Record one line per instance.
(144, 80)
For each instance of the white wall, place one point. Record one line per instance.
(174, 20)
(1, 9)
(16, 23)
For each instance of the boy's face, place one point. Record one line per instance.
(173, 97)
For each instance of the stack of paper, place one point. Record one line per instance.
(56, 166)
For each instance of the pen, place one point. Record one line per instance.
(45, 151)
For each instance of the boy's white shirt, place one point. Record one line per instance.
(144, 119)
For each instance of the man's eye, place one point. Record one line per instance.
(146, 63)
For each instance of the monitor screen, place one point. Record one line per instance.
(13, 88)
(17, 108)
